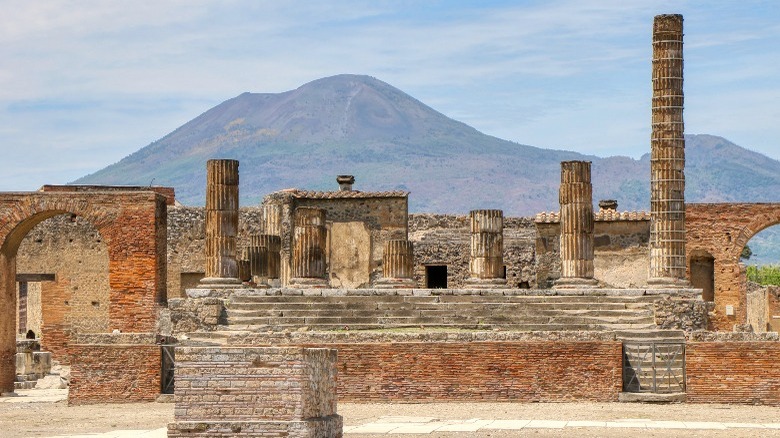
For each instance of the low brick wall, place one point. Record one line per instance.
(480, 371)
(255, 391)
(733, 372)
(466, 366)
(114, 373)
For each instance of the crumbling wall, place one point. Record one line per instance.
(446, 240)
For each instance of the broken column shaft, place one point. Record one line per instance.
(397, 265)
(221, 223)
(486, 261)
(667, 160)
(576, 199)
(309, 240)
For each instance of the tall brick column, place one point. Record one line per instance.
(486, 261)
(397, 265)
(667, 156)
(309, 240)
(576, 199)
(221, 224)
(264, 258)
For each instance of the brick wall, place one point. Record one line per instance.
(529, 371)
(134, 229)
(117, 373)
(733, 372)
(721, 231)
(268, 391)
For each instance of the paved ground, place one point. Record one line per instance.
(44, 413)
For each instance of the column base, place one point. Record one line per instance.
(395, 283)
(575, 283)
(309, 283)
(263, 282)
(668, 283)
(218, 283)
(485, 283)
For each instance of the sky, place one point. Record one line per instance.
(84, 83)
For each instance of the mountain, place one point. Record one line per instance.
(359, 125)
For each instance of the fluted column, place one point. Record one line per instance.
(272, 219)
(667, 156)
(576, 199)
(486, 261)
(397, 265)
(264, 258)
(309, 240)
(221, 223)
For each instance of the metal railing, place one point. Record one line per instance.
(654, 367)
(168, 363)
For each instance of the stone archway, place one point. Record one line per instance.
(133, 224)
(722, 231)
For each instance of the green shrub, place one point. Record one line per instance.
(765, 275)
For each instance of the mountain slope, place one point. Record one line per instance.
(350, 124)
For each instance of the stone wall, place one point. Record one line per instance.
(77, 300)
(114, 373)
(621, 249)
(733, 372)
(255, 391)
(445, 240)
(681, 313)
(187, 243)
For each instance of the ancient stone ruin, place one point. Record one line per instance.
(258, 317)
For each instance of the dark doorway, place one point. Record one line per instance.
(436, 277)
(703, 275)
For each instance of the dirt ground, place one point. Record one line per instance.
(46, 418)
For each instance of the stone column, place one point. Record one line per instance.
(486, 261)
(576, 199)
(397, 265)
(309, 240)
(272, 219)
(667, 156)
(264, 259)
(221, 224)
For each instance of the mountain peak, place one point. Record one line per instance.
(360, 125)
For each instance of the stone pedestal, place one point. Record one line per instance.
(397, 265)
(667, 156)
(264, 258)
(255, 392)
(576, 199)
(221, 224)
(309, 241)
(486, 261)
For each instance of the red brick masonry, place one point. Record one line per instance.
(118, 373)
(543, 371)
(733, 372)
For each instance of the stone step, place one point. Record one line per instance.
(470, 326)
(377, 305)
(24, 385)
(442, 299)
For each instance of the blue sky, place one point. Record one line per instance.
(85, 83)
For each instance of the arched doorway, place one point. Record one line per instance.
(133, 225)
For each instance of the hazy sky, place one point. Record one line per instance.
(85, 83)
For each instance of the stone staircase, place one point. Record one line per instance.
(467, 312)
